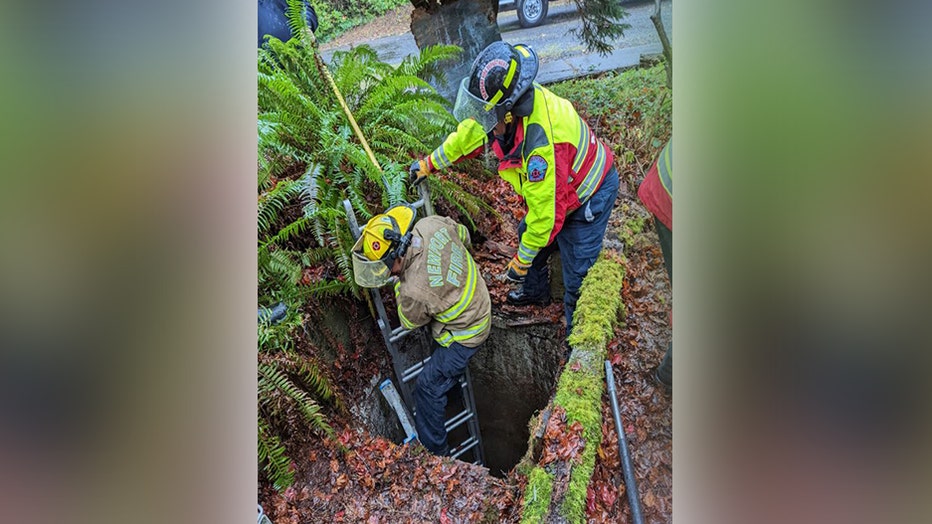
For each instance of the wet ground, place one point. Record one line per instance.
(365, 478)
(562, 54)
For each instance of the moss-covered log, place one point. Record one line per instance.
(565, 468)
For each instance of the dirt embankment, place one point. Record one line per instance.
(395, 22)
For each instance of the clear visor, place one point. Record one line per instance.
(368, 273)
(470, 106)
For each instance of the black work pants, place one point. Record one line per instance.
(579, 242)
(440, 375)
(666, 246)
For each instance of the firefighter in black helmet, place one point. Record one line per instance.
(549, 156)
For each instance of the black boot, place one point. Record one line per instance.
(520, 298)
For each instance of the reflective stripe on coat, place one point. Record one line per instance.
(440, 284)
(557, 164)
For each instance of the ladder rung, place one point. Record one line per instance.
(398, 334)
(409, 374)
(412, 372)
(458, 420)
(465, 446)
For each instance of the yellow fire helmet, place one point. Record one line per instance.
(384, 238)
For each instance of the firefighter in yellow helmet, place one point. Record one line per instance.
(438, 283)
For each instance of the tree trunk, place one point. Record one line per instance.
(470, 24)
(664, 41)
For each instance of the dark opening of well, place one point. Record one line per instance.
(513, 377)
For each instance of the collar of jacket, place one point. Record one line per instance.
(414, 250)
(522, 109)
(514, 154)
(525, 104)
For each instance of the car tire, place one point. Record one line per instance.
(531, 13)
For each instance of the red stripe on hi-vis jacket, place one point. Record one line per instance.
(655, 197)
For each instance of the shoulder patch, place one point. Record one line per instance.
(536, 168)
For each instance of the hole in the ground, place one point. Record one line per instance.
(513, 378)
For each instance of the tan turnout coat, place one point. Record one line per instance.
(440, 284)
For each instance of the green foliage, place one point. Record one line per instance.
(277, 386)
(290, 386)
(632, 109)
(309, 161)
(467, 203)
(287, 383)
(580, 394)
(338, 16)
(601, 23)
(579, 390)
(630, 232)
(599, 305)
(272, 453)
(537, 496)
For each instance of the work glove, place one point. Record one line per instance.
(418, 172)
(516, 271)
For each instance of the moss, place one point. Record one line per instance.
(599, 304)
(634, 109)
(579, 390)
(524, 468)
(631, 231)
(537, 496)
(580, 394)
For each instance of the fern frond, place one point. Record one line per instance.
(468, 204)
(326, 288)
(296, 13)
(281, 264)
(290, 231)
(274, 380)
(273, 457)
(311, 377)
(272, 203)
(388, 90)
(426, 64)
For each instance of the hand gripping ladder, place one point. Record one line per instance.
(406, 374)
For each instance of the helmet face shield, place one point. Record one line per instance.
(469, 106)
(384, 238)
(368, 273)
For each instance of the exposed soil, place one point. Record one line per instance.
(395, 22)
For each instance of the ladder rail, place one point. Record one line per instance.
(470, 400)
(391, 336)
(382, 320)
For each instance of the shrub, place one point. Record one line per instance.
(309, 160)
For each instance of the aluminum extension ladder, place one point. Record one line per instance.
(406, 373)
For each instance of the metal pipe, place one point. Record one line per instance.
(630, 484)
(273, 315)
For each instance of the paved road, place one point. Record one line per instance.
(562, 54)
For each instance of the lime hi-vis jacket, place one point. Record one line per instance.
(556, 164)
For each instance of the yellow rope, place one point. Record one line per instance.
(349, 114)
